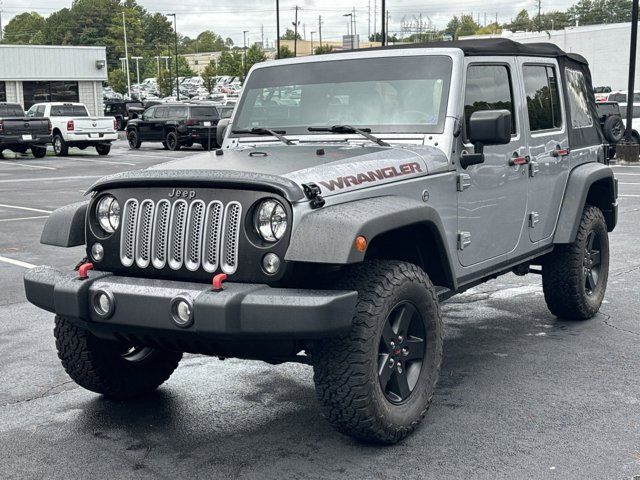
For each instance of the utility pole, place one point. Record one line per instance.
(137, 59)
(277, 28)
(312, 42)
(126, 55)
(262, 35)
(175, 30)
(384, 27)
(295, 36)
(1, 34)
(244, 62)
(369, 20)
(320, 29)
(628, 134)
(539, 15)
(375, 23)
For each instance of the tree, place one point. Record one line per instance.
(492, 28)
(285, 52)
(452, 27)
(468, 26)
(118, 80)
(158, 31)
(230, 63)
(209, 41)
(522, 22)
(322, 49)
(165, 83)
(255, 54)
(555, 20)
(22, 28)
(290, 35)
(209, 76)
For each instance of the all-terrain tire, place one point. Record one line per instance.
(99, 365)
(133, 138)
(103, 149)
(568, 291)
(347, 368)
(172, 141)
(39, 151)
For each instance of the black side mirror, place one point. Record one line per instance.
(221, 130)
(486, 127)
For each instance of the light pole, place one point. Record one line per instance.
(277, 29)
(384, 22)
(244, 41)
(312, 42)
(175, 31)
(137, 59)
(126, 55)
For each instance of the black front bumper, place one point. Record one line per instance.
(144, 306)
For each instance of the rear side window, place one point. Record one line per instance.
(578, 105)
(543, 100)
(69, 111)
(488, 88)
(161, 112)
(204, 112)
(177, 112)
(11, 111)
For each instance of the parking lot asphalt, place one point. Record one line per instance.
(522, 394)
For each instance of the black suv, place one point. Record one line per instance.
(175, 125)
(123, 111)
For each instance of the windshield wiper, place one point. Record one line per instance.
(267, 131)
(365, 132)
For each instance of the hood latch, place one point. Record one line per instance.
(313, 193)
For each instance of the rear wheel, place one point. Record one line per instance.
(103, 149)
(377, 382)
(574, 276)
(111, 368)
(172, 141)
(60, 147)
(134, 139)
(39, 152)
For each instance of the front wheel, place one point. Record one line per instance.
(60, 147)
(574, 276)
(377, 382)
(111, 368)
(103, 149)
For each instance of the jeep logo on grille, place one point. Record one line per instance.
(175, 193)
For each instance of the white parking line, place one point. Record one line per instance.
(101, 161)
(27, 165)
(622, 183)
(17, 263)
(22, 218)
(630, 174)
(627, 195)
(49, 179)
(28, 209)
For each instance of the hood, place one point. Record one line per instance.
(334, 168)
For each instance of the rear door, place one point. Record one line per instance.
(548, 145)
(492, 196)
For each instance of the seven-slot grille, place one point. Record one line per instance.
(179, 234)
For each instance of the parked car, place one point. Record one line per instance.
(332, 244)
(175, 125)
(123, 111)
(20, 133)
(73, 127)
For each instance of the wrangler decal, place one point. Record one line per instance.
(371, 176)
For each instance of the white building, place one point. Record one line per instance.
(34, 73)
(606, 48)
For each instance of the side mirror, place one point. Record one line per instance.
(221, 129)
(486, 127)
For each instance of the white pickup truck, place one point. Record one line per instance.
(73, 127)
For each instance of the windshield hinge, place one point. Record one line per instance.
(463, 182)
(313, 193)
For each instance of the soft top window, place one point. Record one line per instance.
(69, 111)
(578, 105)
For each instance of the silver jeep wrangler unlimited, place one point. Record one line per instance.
(353, 193)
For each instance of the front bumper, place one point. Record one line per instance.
(144, 306)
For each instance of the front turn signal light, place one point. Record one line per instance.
(360, 243)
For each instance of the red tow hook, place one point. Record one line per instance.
(217, 282)
(84, 269)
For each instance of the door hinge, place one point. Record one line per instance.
(463, 182)
(464, 240)
(534, 168)
(534, 219)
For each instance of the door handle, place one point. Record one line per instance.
(519, 160)
(560, 152)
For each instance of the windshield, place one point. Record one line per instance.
(391, 94)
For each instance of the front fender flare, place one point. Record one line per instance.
(327, 235)
(65, 226)
(581, 179)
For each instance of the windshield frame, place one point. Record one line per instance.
(384, 129)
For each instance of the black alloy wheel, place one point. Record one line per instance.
(592, 263)
(401, 352)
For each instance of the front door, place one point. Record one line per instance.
(548, 146)
(492, 197)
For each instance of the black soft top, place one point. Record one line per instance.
(495, 47)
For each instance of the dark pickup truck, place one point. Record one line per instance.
(19, 133)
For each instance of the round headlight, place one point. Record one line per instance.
(108, 213)
(271, 220)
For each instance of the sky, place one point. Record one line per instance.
(231, 18)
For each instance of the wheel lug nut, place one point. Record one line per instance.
(392, 343)
(400, 339)
(399, 368)
(405, 352)
(391, 363)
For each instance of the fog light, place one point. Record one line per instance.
(103, 304)
(182, 311)
(271, 263)
(97, 252)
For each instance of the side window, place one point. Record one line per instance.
(543, 100)
(40, 111)
(161, 112)
(488, 88)
(578, 105)
(177, 112)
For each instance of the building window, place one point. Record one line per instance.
(36, 92)
(3, 92)
(543, 101)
